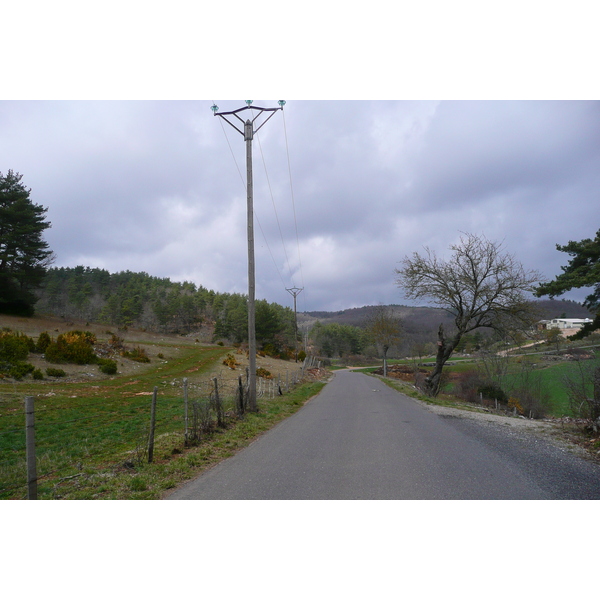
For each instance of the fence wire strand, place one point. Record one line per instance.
(211, 404)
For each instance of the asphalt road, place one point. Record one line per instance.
(359, 439)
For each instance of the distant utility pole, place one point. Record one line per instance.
(248, 133)
(294, 292)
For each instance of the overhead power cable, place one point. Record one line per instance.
(287, 260)
(255, 212)
(294, 207)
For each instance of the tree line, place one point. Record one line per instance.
(140, 300)
(478, 285)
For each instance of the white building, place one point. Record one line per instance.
(564, 323)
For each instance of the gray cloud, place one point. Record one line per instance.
(155, 186)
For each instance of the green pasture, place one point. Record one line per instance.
(91, 438)
(81, 426)
(551, 376)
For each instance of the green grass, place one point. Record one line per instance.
(91, 438)
(551, 376)
(552, 380)
(174, 463)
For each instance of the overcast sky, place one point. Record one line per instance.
(153, 186)
(343, 189)
(102, 112)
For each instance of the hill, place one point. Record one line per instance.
(141, 301)
(421, 322)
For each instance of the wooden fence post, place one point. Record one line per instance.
(30, 448)
(220, 415)
(152, 426)
(185, 408)
(240, 395)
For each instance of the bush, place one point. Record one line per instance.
(44, 340)
(14, 347)
(20, 369)
(138, 354)
(229, 361)
(492, 391)
(51, 372)
(72, 347)
(107, 366)
(262, 372)
(37, 374)
(466, 385)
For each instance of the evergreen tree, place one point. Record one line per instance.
(24, 255)
(583, 270)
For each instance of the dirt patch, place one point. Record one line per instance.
(402, 372)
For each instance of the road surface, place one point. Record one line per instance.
(360, 439)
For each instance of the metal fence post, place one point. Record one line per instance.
(30, 448)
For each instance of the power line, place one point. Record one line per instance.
(255, 212)
(287, 260)
(289, 268)
(294, 206)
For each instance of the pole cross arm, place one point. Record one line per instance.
(234, 113)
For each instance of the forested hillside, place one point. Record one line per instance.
(139, 300)
(427, 317)
(339, 332)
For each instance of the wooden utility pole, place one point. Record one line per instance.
(248, 133)
(294, 292)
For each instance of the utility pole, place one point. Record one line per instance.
(294, 292)
(248, 133)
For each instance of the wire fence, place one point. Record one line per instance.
(42, 444)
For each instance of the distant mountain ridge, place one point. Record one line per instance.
(426, 318)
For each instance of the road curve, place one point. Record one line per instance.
(360, 439)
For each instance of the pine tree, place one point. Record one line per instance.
(583, 270)
(24, 255)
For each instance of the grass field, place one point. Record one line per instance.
(92, 430)
(551, 377)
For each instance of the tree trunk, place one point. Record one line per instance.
(385, 349)
(431, 383)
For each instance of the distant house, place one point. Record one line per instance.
(563, 323)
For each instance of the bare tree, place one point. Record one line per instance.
(479, 285)
(385, 329)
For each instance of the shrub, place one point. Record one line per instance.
(14, 347)
(37, 374)
(20, 369)
(138, 354)
(492, 391)
(44, 340)
(229, 361)
(116, 342)
(52, 372)
(513, 403)
(262, 372)
(72, 347)
(107, 366)
(301, 356)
